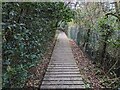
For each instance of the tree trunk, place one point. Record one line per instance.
(87, 40)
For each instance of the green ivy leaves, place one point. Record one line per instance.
(28, 29)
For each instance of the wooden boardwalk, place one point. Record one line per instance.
(62, 71)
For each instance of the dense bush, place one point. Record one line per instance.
(97, 28)
(27, 30)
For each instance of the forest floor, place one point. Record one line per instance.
(90, 72)
(86, 67)
(94, 76)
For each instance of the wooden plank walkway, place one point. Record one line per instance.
(62, 71)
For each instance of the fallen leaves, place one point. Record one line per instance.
(86, 67)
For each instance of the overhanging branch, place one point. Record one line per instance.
(113, 15)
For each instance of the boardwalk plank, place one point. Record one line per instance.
(62, 87)
(62, 67)
(63, 82)
(63, 78)
(62, 73)
(62, 70)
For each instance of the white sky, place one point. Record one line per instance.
(59, 0)
(92, 0)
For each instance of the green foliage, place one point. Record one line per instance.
(109, 27)
(102, 42)
(27, 29)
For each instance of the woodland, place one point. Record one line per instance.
(29, 29)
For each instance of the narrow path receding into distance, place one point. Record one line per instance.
(62, 71)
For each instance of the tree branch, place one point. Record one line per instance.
(112, 15)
